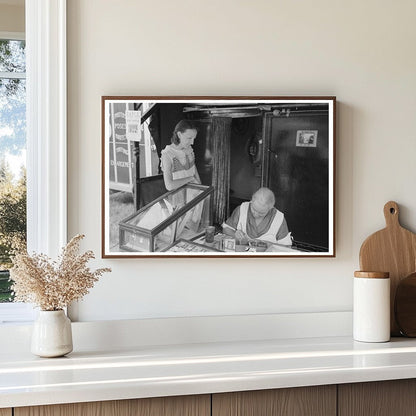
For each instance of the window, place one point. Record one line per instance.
(12, 166)
(12, 154)
(46, 135)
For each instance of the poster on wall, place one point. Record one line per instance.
(218, 176)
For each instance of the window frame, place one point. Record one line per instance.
(46, 121)
(46, 125)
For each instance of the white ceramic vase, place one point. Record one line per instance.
(52, 334)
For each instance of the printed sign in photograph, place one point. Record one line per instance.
(133, 125)
(307, 138)
(218, 177)
(120, 158)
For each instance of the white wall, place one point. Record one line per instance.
(361, 51)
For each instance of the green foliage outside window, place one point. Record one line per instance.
(12, 224)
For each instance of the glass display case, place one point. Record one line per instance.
(179, 214)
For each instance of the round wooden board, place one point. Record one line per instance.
(405, 306)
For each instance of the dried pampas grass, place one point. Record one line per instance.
(53, 285)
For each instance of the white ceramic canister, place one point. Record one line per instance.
(371, 310)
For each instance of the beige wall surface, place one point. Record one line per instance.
(12, 18)
(363, 52)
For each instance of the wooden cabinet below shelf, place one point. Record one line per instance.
(380, 398)
(299, 401)
(160, 406)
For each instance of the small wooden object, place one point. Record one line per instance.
(392, 249)
(405, 306)
(371, 275)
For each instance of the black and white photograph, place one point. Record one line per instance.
(218, 176)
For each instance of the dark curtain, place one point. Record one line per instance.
(221, 134)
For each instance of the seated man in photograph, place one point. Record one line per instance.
(258, 219)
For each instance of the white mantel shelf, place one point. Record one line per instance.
(151, 371)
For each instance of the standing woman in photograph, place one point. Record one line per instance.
(178, 158)
(178, 166)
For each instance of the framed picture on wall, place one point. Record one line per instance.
(218, 176)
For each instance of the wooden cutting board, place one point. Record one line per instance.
(393, 250)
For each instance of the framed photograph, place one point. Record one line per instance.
(218, 176)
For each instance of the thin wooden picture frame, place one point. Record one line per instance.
(261, 170)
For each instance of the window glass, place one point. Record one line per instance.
(12, 56)
(12, 156)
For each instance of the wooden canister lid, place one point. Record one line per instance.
(372, 275)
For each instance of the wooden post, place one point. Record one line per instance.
(137, 175)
